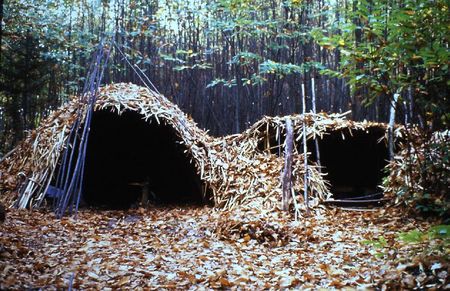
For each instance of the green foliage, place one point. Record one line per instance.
(436, 236)
(413, 236)
(271, 67)
(226, 83)
(441, 232)
(380, 246)
(256, 50)
(254, 22)
(34, 46)
(245, 58)
(376, 243)
(390, 47)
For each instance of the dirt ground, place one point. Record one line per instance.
(202, 248)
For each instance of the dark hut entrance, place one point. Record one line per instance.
(353, 162)
(124, 152)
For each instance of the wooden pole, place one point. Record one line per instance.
(286, 180)
(305, 151)
(315, 111)
(391, 126)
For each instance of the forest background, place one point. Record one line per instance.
(229, 62)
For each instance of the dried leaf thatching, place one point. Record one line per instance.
(317, 125)
(236, 169)
(420, 173)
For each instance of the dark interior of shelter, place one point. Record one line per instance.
(354, 164)
(125, 152)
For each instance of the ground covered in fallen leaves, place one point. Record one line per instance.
(192, 248)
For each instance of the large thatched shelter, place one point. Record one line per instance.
(138, 134)
(135, 133)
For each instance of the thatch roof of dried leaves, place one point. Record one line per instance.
(420, 170)
(232, 167)
(317, 125)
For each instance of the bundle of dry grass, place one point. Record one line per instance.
(237, 169)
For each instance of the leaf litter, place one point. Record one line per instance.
(198, 248)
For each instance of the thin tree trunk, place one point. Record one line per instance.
(391, 126)
(1, 27)
(411, 105)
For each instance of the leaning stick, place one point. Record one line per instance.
(305, 150)
(287, 171)
(314, 109)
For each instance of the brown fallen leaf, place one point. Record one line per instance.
(124, 281)
(324, 267)
(225, 283)
(337, 284)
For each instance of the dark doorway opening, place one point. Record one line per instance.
(125, 151)
(354, 162)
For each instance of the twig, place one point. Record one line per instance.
(8, 154)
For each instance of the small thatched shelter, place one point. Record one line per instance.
(137, 134)
(352, 155)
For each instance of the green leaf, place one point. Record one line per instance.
(413, 236)
(440, 231)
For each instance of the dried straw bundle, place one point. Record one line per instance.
(252, 178)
